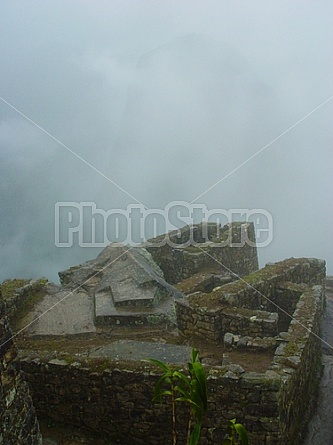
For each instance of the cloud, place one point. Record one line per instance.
(165, 100)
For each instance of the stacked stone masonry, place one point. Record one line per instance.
(113, 398)
(205, 247)
(18, 421)
(22, 295)
(253, 303)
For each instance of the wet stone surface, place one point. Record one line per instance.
(61, 312)
(134, 350)
(320, 429)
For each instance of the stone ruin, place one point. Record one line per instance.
(211, 290)
(18, 421)
(134, 286)
(127, 287)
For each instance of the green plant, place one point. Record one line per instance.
(170, 378)
(191, 390)
(236, 429)
(197, 397)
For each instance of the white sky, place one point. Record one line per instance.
(165, 98)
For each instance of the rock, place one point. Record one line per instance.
(225, 360)
(228, 339)
(242, 342)
(132, 263)
(236, 369)
(126, 284)
(58, 362)
(231, 375)
(135, 350)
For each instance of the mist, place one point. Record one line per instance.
(164, 99)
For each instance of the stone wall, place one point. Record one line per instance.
(18, 419)
(116, 402)
(25, 293)
(295, 290)
(274, 289)
(205, 248)
(299, 358)
(113, 398)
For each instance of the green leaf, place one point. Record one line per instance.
(200, 383)
(227, 442)
(161, 381)
(194, 355)
(183, 399)
(182, 391)
(241, 431)
(182, 377)
(195, 435)
(196, 408)
(191, 390)
(159, 386)
(160, 364)
(164, 393)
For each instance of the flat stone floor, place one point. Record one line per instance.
(61, 312)
(68, 312)
(135, 350)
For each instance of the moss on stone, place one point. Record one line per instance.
(9, 287)
(29, 301)
(69, 359)
(269, 272)
(291, 348)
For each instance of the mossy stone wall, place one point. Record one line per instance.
(271, 289)
(113, 398)
(18, 421)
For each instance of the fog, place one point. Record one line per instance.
(123, 102)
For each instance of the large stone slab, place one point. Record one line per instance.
(137, 350)
(63, 311)
(127, 285)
